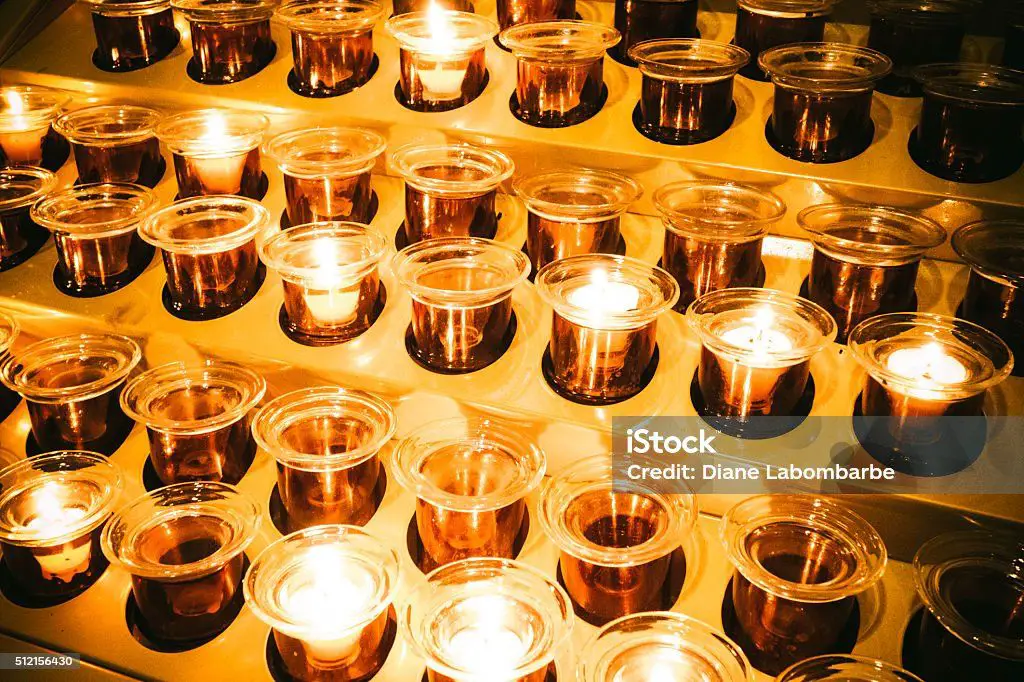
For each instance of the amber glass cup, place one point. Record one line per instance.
(71, 385)
(26, 116)
(230, 38)
(764, 24)
(513, 12)
(131, 34)
(114, 143)
(20, 188)
(326, 442)
(9, 330)
(197, 419)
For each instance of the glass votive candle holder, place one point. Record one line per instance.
(332, 44)
(994, 298)
(326, 593)
(845, 668)
(604, 327)
(686, 91)
(52, 511)
(916, 32)
(616, 549)
(131, 35)
(461, 290)
(330, 277)
(865, 260)
(574, 212)
(450, 190)
(970, 628)
(71, 385)
(20, 189)
(641, 21)
(216, 151)
(471, 478)
(821, 111)
(971, 117)
(327, 172)
(407, 6)
(514, 12)
(713, 235)
(441, 57)
(326, 442)
(662, 646)
(230, 38)
(114, 143)
(9, 330)
(490, 619)
(95, 230)
(764, 24)
(921, 406)
(1013, 37)
(197, 419)
(26, 116)
(560, 70)
(209, 253)
(800, 561)
(755, 359)
(184, 546)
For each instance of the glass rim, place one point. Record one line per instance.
(416, 448)
(252, 218)
(559, 41)
(9, 330)
(493, 165)
(407, 263)
(296, 406)
(702, 312)
(39, 107)
(97, 469)
(553, 283)
(616, 193)
(157, 382)
(275, 249)
(951, 551)
(287, 149)
(967, 238)
(909, 235)
(685, 634)
(594, 474)
(37, 183)
(923, 10)
(966, 337)
(126, 8)
(280, 561)
(182, 134)
(692, 219)
(140, 123)
(414, 31)
(16, 366)
(63, 211)
(973, 82)
(688, 59)
(235, 11)
(817, 514)
(864, 66)
(822, 668)
(315, 16)
(789, 8)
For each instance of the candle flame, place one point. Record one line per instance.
(216, 132)
(15, 104)
(51, 510)
(442, 36)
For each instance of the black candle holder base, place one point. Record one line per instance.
(547, 369)
(413, 349)
(206, 314)
(758, 427)
(304, 90)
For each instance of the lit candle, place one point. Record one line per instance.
(488, 644)
(602, 296)
(52, 513)
(22, 141)
(330, 298)
(219, 166)
(442, 79)
(929, 362)
(758, 335)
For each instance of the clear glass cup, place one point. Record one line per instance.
(450, 189)
(764, 24)
(95, 230)
(471, 478)
(26, 116)
(560, 70)
(821, 112)
(604, 327)
(216, 151)
(230, 38)
(20, 189)
(514, 12)
(331, 280)
(865, 260)
(332, 44)
(800, 561)
(713, 235)
(326, 593)
(664, 645)
(52, 511)
(618, 551)
(969, 582)
(493, 618)
(686, 90)
(9, 331)
(326, 442)
(641, 21)
(184, 547)
(197, 419)
(971, 116)
(441, 57)
(131, 34)
(845, 668)
(461, 290)
(327, 172)
(574, 212)
(71, 385)
(209, 253)
(114, 143)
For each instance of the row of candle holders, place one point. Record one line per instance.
(330, 593)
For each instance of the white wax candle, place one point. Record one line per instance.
(602, 297)
(928, 362)
(759, 334)
(219, 173)
(488, 643)
(23, 143)
(443, 80)
(330, 299)
(51, 516)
